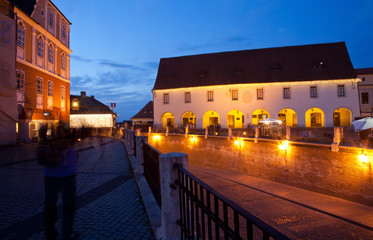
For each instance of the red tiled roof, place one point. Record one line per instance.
(283, 64)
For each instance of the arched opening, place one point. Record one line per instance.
(168, 120)
(210, 118)
(342, 117)
(235, 119)
(189, 120)
(288, 117)
(314, 117)
(258, 115)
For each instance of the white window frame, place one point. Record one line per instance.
(341, 90)
(166, 98)
(210, 96)
(313, 91)
(188, 97)
(286, 93)
(235, 94)
(259, 94)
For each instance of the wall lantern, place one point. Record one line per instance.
(47, 114)
(156, 138)
(75, 104)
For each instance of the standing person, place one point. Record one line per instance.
(61, 179)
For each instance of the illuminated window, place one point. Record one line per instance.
(50, 53)
(21, 36)
(50, 89)
(210, 96)
(39, 86)
(313, 92)
(40, 47)
(63, 62)
(20, 80)
(364, 98)
(286, 93)
(259, 93)
(315, 119)
(234, 94)
(166, 98)
(341, 90)
(187, 97)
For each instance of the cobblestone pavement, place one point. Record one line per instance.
(109, 205)
(294, 220)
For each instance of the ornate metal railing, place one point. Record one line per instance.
(206, 214)
(151, 170)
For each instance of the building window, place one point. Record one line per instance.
(286, 93)
(63, 32)
(364, 98)
(50, 89)
(21, 36)
(39, 86)
(166, 98)
(259, 93)
(210, 96)
(187, 97)
(40, 47)
(50, 54)
(315, 119)
(63, 92)
(234, 94)
(20, 80)
(341, 90)
(313, 92)
(51, 19)
(363, 79)
(63, 62)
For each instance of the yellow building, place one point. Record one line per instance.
(42, 67)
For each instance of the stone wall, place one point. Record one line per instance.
(310, 166)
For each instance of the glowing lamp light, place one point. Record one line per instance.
(238, 143)
(216, 133)
(284, 146)
(193, 139)
(244, 133)
(156, 138)
(363, 158)
(75, 104)
(279, 121)
(266, 122)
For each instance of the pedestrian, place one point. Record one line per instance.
(59, 179)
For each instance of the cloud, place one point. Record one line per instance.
(113, 64)
(80, 59)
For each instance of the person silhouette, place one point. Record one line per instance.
(61, 179)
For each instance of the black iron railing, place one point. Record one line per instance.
(206, 214)
(151, 170)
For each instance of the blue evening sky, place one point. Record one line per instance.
(117, 44)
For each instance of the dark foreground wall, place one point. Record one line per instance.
(309, 166)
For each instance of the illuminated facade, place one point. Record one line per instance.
(144, 118)
(305, 86)
(8, 107)
(42, 67)
(365, 91)
(90, 113)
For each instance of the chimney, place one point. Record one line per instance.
(83, 94)
(92, 96)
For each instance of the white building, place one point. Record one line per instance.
(365, 91)
(305, 86)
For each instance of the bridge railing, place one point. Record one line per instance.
(206, 214)
(151, 170)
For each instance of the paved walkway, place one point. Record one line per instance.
(297, 213)
(109, 205)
